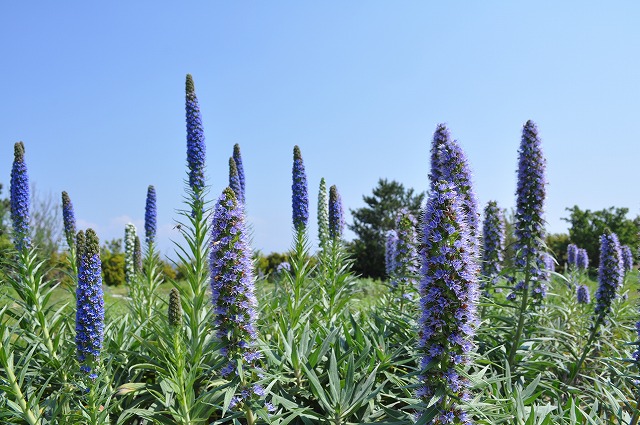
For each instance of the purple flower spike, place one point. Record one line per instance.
(195, 138)
(610, 272)
(493, 231)
(582, 259)
(90, 302)
(19, 194)
(583, 295)
(238, 160)
(232, 282)
(627, 258)
(390, 253)
(69, 219)
(299, 195)
(234, 180)
(150, 216)
(406, 260)
(449, 163)
(529, 226)
(336, 215)
(449, 296)
(572, 255)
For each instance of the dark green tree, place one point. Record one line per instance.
(373, 221)
(587, 227)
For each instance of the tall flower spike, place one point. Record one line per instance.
(150, 216)
(69, 219)
(336, 215)
(582, 259)
(406, 262)
(390, 254)
(299, 192)
(627, 258)
(195, 138)
(583, 295)
(238, 160)
(449, 296)
(529, 225)
(129, 252)
(493, 231)
(80, 244)
(19, 194)
(449, 163)
(610, 272)
(232, 286)
(572, 255)
(175, 308)
(234, 180)
(137, 255)
(90, 305)
(323, 215)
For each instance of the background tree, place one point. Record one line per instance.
(112, 259)
(557, 244)
(587, 227)
(372, 222)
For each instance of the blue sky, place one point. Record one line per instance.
(96, 92)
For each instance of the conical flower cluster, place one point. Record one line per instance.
(529, 226)
(493, 236)
(232, 288)
(129, 252)
(299, 192)
(572, 255)
(627, 258)
(68, 219)
(406, 261)
(610, 273)
(19, 194)
(323, 215)
(583, 295)
(336, 215)
(234, 180)
(90, 303)
(195, 138)
(390, 253)
(175, 308)
(150, 216)
(449, 163)
(449, 293)
(237, 158)
(582, 259)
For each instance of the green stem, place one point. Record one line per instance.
(587, 348)
(521, 319)
(28, 414)
(636, 415)
(184, 404)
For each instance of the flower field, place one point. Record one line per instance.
(465, 330)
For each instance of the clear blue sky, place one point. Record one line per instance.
(96, 92)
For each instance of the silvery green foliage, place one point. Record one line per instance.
(129, 252)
